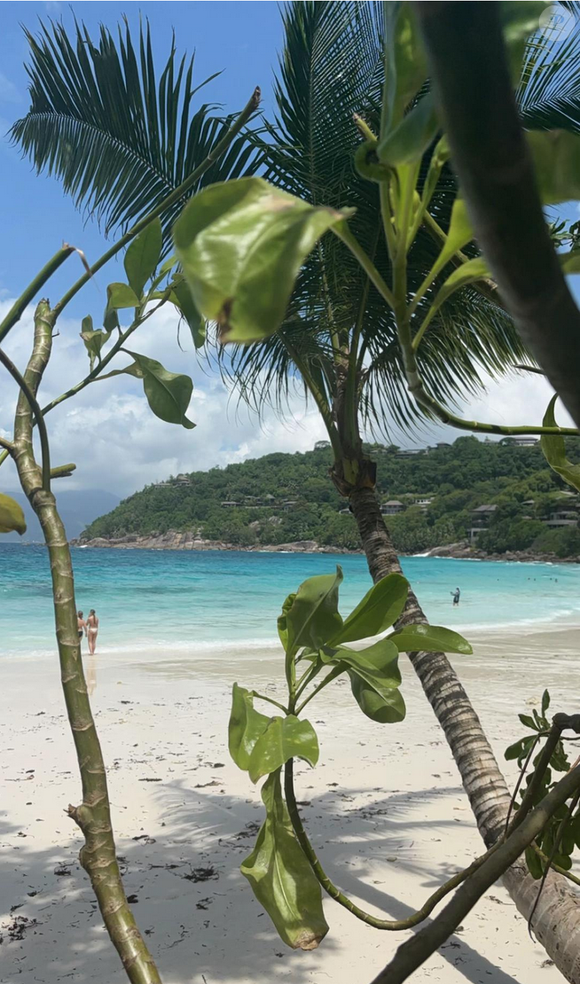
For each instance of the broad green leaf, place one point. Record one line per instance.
(283, 620)
(468, 273)
(378, 665)
(528, 721)
(11, 515)
(93, 339)
(459, 234)
(379, 609)
(555, 450)
(409, 140)
(313, 617)
(388, 708)
(121, 296)
(142, 256)
(281, 877)
(241, 245)
(405, 62)
(556, 155)
(283, 739)
(570, 262)
(181, 297)
(545, 702)
(534, 863)
(168, 393)
(430, 639)
(245, 727)
(513, 751)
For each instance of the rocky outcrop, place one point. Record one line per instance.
(173, 540)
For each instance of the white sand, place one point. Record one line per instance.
(385, 809)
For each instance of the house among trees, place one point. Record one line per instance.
(563, 514)
(392, 507)
(527, 441)
(480, 518)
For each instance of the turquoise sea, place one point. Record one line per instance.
(182, 603)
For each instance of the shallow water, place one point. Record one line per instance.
(180, 603)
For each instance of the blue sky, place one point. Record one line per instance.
(108, 430)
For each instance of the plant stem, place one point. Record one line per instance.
(391, 925)
(343, 232)
(539, 772)
(15, 312)
(270, 700)
(34, 407)
(419, 948)
(334, 673)
(167, 202)
(98, 856)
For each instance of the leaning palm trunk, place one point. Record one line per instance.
(557, 917)
(98, 856)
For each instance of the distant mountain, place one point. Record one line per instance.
(77, 510)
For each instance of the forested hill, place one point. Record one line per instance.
(287, 497)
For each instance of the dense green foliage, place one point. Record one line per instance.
(285, 497)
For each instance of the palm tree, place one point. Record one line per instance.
(339, 339)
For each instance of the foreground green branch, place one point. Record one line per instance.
(28, 295)
(98, 856)
(39, 419)
(419, 948)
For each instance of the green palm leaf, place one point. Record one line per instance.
(119, 139)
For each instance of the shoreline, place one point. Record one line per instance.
(186, 541)
(185, 817)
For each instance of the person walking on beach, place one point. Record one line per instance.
(92, 630)
(81, 625)
(455, 594)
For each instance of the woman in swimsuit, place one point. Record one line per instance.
(81, 625)
(92, 630)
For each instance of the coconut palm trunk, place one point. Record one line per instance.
(557, 916)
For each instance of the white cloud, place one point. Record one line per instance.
(117, 444)
(8, 91)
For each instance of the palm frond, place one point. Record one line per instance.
(548, 93)
(119, 139)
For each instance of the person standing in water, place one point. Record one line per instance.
(81, 625)
(92, 630)
(455, 594)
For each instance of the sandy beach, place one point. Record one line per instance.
(384, 807)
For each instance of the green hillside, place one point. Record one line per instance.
(286, 497)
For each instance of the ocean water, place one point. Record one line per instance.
(181, 603)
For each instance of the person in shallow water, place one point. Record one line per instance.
(455, 595)
(81, 625)
(92, 630)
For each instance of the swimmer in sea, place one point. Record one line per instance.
(81, 625)
(92, 630)
(455, 595)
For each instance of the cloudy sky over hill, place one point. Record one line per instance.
(108, 429)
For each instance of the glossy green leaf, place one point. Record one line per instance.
(555, 450)
(405, 62)
(514, 751)
(387, 708)
(168, 393)
(313, 617)
(121, 296)
(459, 234)
(556, 156)
(142, 256)
(377, 665)
(241, 245)
(409, 140)
(534, 864)
(528, 721)
(282, 622)
(430, 639)
(245, 727)
(545, 702)
(11, 516)
(283, 739)
(379, 609)
(570, 262)
(93, 339)
(181, 297)
(281, 877)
